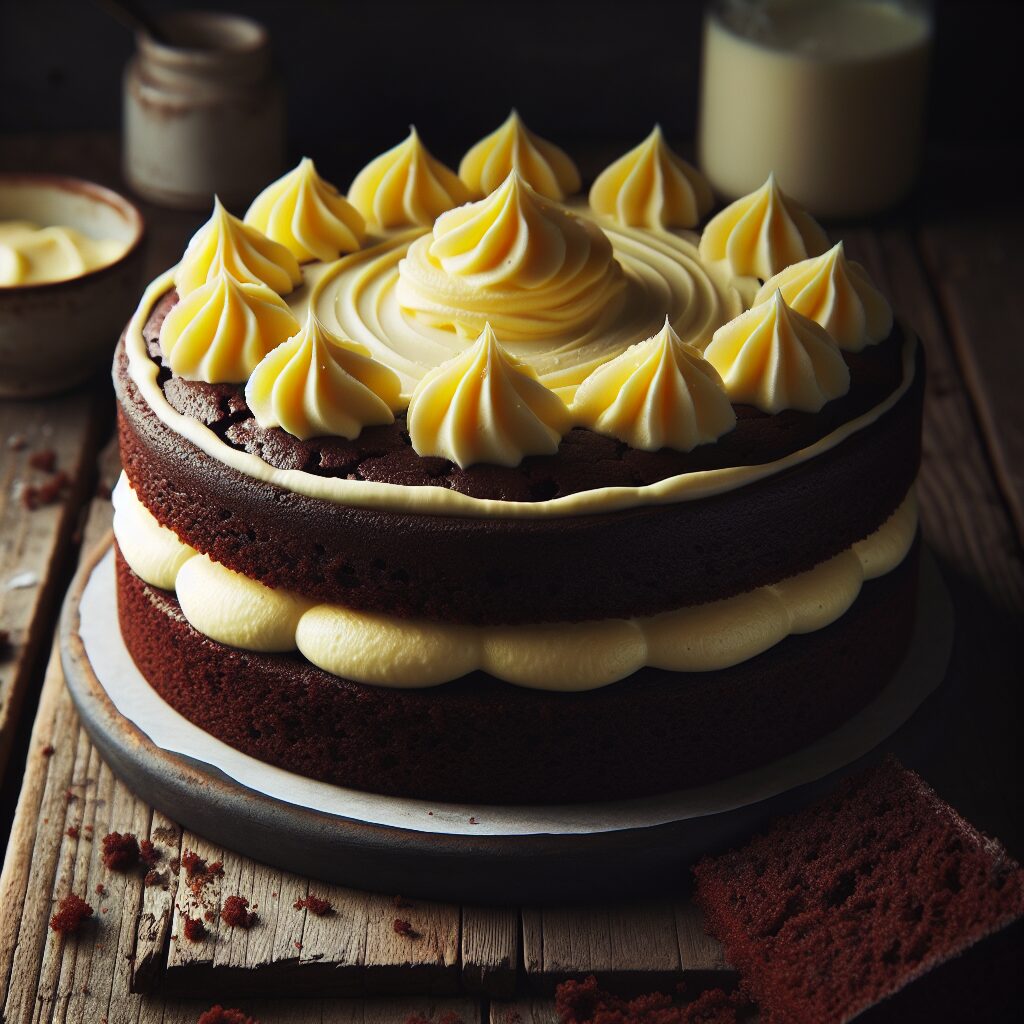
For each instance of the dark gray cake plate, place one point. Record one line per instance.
(437, 865)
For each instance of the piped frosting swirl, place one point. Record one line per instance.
(220, 331)
(406, 186)
(546, 168)
(762, 233)
(659, 393)
(307, 215)
(836, 293)
(485, 406)
(226, 243)
(652, 187)
(317, 385)
(774, 358)
(515, 260)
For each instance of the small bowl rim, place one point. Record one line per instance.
(97, 193)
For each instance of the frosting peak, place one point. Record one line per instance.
(659, 393)
(774, 358)
(836, 293)
(226, 243)
(406, 186)
(513, 147)
(652, 187)
(485, 406)
(316, 384)
(762, 233)
(515, 260)
(220, 331)
(307, 215)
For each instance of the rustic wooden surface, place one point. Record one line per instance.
(954, 274)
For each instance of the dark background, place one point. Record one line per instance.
(592, 76)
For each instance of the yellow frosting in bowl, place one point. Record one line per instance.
(34, 254)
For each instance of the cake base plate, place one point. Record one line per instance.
(495, 855)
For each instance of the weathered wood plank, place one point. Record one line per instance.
(35, 543)
(154, 924)
(701, 956)
(490, 950)
(629, 946)
(523, 1011)
(425, 960)
(975, 265)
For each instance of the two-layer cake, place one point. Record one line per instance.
(464, 488)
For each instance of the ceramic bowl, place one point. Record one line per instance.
(54, 335)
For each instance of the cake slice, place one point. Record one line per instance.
(876, 903)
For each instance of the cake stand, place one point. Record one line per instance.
(446, 852)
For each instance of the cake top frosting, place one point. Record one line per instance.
(514, 259)
(406, 186)
(836, 293)
(307, 215)
(659, 393)
(315, 384)
(226, 243)
(545, 167)
(652, 187)
(485, 406)
(220, 331)
(501, 323)
(774, 358)
(762, 233)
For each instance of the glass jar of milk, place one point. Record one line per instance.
(828, 94)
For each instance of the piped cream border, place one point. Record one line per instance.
(433, 500)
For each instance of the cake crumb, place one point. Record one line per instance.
(72, 832)
(192, 863)
(235, 913)
(148, 853)
(101, 889)
(45, 460)
(317, 906)
(71, 912)
(153, 877)
(120, 851)
(194, 929)
(49, 750)
(583, 1002)
(403, 927)
(219, 1015)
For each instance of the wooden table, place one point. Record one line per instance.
(954, 272)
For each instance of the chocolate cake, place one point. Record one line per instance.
(463, 488)
(877, 903)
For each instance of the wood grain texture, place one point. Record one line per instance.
(631, 947)
(35, 543)
(490, 950)
(975, 264)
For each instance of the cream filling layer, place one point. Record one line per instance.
(364, 293)
(236, 610)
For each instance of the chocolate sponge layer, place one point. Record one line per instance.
(480, 739)
(473, 570)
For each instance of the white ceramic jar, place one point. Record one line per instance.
(827, 94)
(203, 113)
